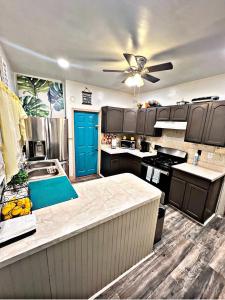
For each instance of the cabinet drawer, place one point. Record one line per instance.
(203, 183)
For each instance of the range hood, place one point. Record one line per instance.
(171, 125)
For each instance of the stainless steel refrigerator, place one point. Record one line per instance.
(47, 138)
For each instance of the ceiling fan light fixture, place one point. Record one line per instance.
(134, 80)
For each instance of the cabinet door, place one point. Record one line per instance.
(163, 113)
(194, 201)
(130, 120)
(177, 189)
(134, 165)
(112, 119)
(114, 166)
(179, 113)
(150, 120)
(141, 121)
(214, 132)
(196, 122)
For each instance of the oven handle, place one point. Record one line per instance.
(162, 171)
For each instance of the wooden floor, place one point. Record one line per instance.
(189, 262)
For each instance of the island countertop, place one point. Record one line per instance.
(99, 201)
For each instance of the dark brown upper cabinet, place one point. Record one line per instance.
(196, 122)
(214, 131)
(130, 120)
(112, 119)
(163, 113)
(179, 113)
(141, 113)
(150, 120)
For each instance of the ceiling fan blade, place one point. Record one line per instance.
(150, 78)
(120, 71)
(160, 67)
(131, 59)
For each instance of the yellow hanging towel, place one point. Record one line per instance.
(12, 129)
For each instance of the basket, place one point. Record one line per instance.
(15, 202)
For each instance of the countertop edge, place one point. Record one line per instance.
(128, 151)
(176, 167)
(44, 246)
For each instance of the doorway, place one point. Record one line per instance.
(86, 143)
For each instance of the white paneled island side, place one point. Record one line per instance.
(83, 244)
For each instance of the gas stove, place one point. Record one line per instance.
(162, 162)
(166, 158)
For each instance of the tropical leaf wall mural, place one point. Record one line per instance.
(41, 97)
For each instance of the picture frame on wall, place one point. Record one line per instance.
(86, 97)
(41, 97)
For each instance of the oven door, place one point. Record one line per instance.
(164, 181)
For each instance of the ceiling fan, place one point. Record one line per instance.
(137, 70)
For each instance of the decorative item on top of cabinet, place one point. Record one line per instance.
(179, 113)
(163, 113)
(112, 119)
(194, 195)
(152, 103)
(141, 114)
(129, 120)
(214, 131)
(150, 121)
(196, 122)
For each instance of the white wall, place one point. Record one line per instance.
(211, 86)
(10, 72)
(100, 97)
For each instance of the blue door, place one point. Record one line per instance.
(86, 143)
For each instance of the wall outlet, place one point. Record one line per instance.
(210, 155)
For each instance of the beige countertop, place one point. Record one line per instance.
(119, 150)
(99, 200)
(200, 171)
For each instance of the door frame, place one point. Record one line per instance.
(73, 153)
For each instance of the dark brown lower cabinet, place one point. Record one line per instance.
(193, 195)
(112, 164)
(194, 200)
(177, 189)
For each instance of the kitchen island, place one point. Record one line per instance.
(83, 244)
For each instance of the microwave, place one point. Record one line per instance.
(126, 144)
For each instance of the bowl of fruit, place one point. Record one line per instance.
(16, 207)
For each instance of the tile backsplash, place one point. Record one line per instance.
(211, 157)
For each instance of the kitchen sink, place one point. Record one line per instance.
(40, 164)
(43, 173)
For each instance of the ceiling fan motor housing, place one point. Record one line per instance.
(141, 61)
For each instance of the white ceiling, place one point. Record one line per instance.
(93, 34)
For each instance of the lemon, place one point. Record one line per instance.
(7, 208)
(21, 202)
(16, 211)
(8, 217)
(25, 211)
